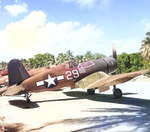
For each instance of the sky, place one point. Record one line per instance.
(29, 27)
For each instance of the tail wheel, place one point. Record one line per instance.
(91, 91)
(27, 96)
(117, 93)
(28, 101)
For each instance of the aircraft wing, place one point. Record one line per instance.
(116, 79)
(83, 83)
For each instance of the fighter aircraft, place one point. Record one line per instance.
(63, 75)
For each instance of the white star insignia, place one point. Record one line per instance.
(50, 80)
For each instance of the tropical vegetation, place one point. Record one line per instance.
(145, 47)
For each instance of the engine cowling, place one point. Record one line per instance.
(112, 64)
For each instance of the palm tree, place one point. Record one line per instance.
(60, 58)
(25, 63)
(79, 59)
(88, 56)
(98, 56)
(145, 47)
(49, 59)
(65, 57)
(69, 55)
(32, 63)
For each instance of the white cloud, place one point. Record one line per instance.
(16, 9)
(32, 35)
(25, 33)
(146, 24)
(91, 3)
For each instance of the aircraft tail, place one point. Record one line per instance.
(16, 72)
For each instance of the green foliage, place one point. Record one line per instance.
(123, 63)
(89, 56)
(131, 62)
(25, 63)
(147, 39)
(68, 56)
(79, 59)
(41, 60)
(136, 62)
(3, 65)
(64, 57)
(98, 56)
(127, 62)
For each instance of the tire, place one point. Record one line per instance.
(91, 91)
(117, 93)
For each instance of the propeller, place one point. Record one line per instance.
(114, 51)
(114, 56)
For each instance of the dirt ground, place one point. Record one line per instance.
(67, 110)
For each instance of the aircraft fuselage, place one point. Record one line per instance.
(60, 76)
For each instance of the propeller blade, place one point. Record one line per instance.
(114, 51)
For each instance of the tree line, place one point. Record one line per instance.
(126, 62)
(42, 60)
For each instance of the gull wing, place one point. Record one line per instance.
(83, 83)
(116, 79)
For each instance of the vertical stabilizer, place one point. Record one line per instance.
(16, 72)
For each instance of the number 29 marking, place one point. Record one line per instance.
(72, 74)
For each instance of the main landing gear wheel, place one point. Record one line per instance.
(91, 91)
(117, 93)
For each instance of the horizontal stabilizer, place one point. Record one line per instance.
(2, 90)
(14, 90)
(116, 79)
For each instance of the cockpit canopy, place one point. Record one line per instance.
(69, 64)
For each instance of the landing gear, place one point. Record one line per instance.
(91, 91)
(27, 96)
(117, 93)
